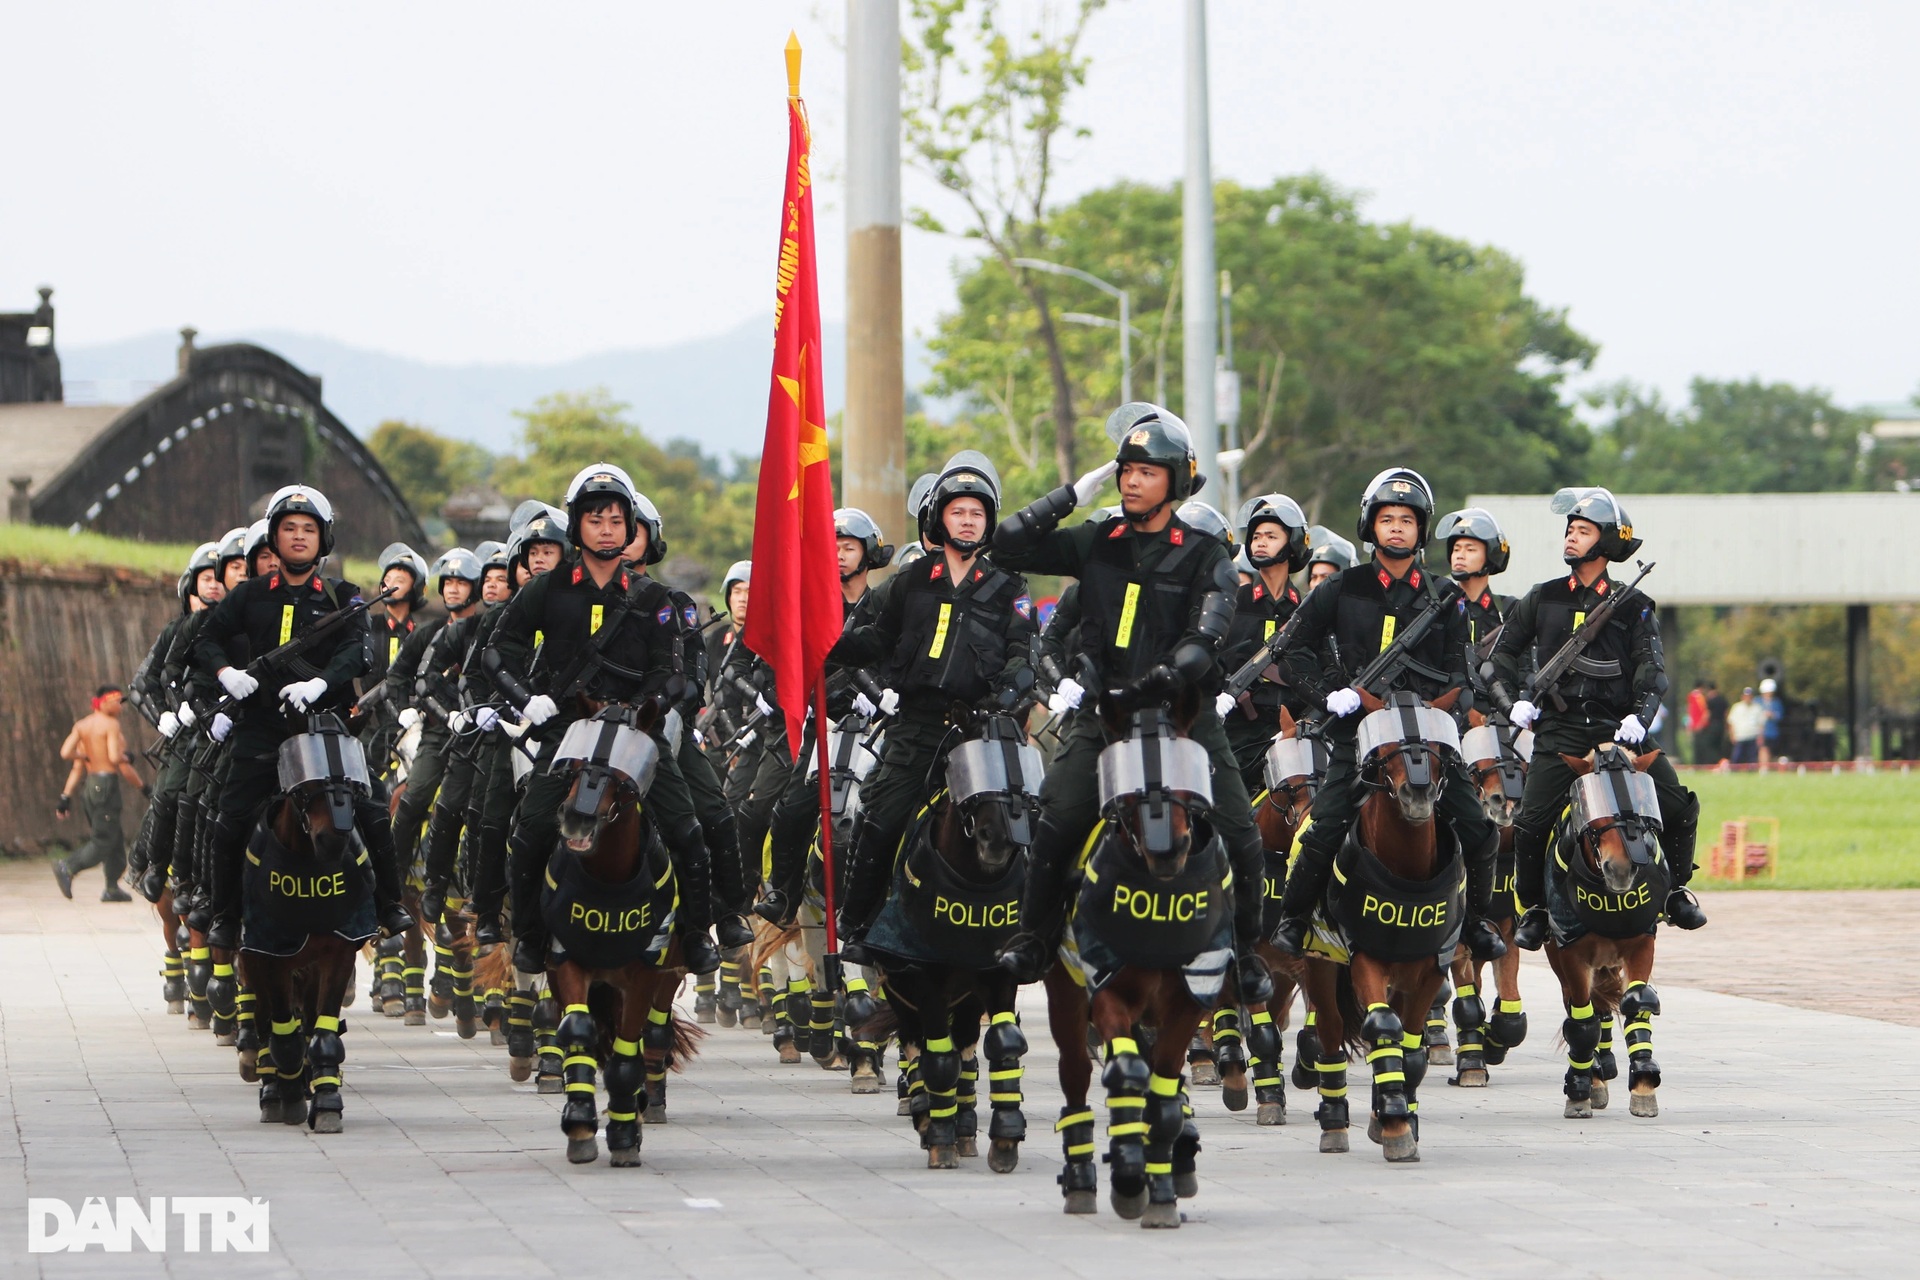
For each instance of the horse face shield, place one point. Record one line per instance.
(1294, 769)
(326, 758)
(607, 755)
(1422, 738)
(1002, 772)
(1614, 797)
(1498, 751)
(1150, 774)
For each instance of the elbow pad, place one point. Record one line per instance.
(1216, 616)
(1192, 660)
(516, 692)
(1024, 527)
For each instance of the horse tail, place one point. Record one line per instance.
(686, 1041)
(768, 939)
(1351, 1014)
(493, 970)
(881, 1025)
(1608, 986)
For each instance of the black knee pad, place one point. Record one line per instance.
(1469, 1012)
(575, 1028)
(1381, 1027)
(624, 1075)
(1127, 1073)
(1263, 1039)
(1583, 1036)
(658, 1036)
(325, 1048)
(1004, 1040)
(1641, 1001)
(1164, 1116)
(940, 1070)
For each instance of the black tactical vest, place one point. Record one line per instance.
(1604, 670)
(1131, 617)
(955, 645)
(609, 926)
(1364, 625)
(1257, 616)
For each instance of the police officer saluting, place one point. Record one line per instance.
(611, 636)
(1611, 694)
(1358, 612)
(266, 613)
(1274, 533)
(951, 627)
(1156, 600)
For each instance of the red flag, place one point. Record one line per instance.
(795, 612)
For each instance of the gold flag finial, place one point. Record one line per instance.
(793, 66)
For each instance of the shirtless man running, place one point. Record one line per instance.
(98, 750)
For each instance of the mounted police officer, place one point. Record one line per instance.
(1611, 694)
(1331, 554)
(608, 635)
(1476, 550)
(1273, 534)
(266, 613)
(1156, 600)
(1357, 613)
(404, 569)
(952, 627)
(796, 815)
(421, 680)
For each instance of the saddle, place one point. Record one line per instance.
(1579, 902)
(286, 898)
(1369, 908)
(1124, 917)
(610, 926)
(933, 916)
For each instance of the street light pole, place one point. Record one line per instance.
(1196, 239)
(1114, 291)
(874, 439)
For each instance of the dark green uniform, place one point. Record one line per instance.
(1252, 725)
(416, 679)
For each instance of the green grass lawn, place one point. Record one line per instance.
(1837, 831)
(40, 544)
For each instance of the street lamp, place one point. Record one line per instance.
(1126, 313)
(1107, 322)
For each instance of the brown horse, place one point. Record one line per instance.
(1370, 1001)
(1153, 948)
(1496, 757)
(1609, 880)
(610, 903)
(299, 985)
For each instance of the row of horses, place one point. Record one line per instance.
(1141, 990)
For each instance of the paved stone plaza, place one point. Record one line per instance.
(1788, 1144)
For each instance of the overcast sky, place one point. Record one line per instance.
(1727, 189)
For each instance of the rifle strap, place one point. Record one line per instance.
(593, 655)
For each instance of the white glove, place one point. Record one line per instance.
(409, 717)
(670, 730)
(889, 702)
(187, 715)
(169, 724)
(699, 739)
(238, 684)
(746, 739)
(457, 722)
(1522, 714)
(486, 718)
(1343, 702)
(1066, 696)
(1223, 704)
(760, 705)
(514, 729)
(864, 705)
(304, 693)
(539, 709)
(220, 727)
(1088, 486)
(1630, 731)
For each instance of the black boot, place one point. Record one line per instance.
(776, 909)
(867, 877)
(788, 847)
(529, 925)
(1531, 933)
(1029, 954)
(489, 885)
(729, 882)
(1290, 935)
(1683, 909)
(377, 835)
(1249, 905)
(1307, 877)
(1529, 886)
(1483, 940)
(695, 923)
(228, 847)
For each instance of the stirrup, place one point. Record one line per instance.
(774, 909)
(1531, 932)
(1290, 936)
(733, 931)
(1683, 909)
(1253, 978)
(394, 921)
(1026, 957)
(1484, 941)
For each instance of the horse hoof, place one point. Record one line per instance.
(726, 1017)
(1404, 1149)
(1204, 1073)
(705, 1018)
(496, 1037)
(1161, 1216)
(250, 1066)
(226, 1038)
(197, 1021)
(327, 1122)
(942, 1158)
(1129, 1207)
(656, 1113)
(1186, 1185)
(1003, 1156)
(176, 1006)
(550, 1084)
(583, 1150)
(1644, 1104)
(439, 1008)
(467, 1028)
(393, 1007)
(518, 1069)
(750, 1021)
(1440, 1055)
(1303, 1077)
(624, 1158)
(1271, 1114)
(1578, 1109)
(1373, 1129)
(905, 1108)
(270, 1111)
(1598, 1096)
(291, 1112)
(966, 1145)
(1082, 1202)
(1473, 1079)
(866, 1082)
(1333, 1142)
(413, 1018)
(1235, 1097)
(789, 1056)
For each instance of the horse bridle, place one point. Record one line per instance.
(1509, 764)
(1637, 830)
(1426, 767)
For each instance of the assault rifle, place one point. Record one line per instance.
(1546, 680)
(286, 659)
(1265, 656)
(1377, 677)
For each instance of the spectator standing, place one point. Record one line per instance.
(1746, 720)
(1770, 732)
(1716, 725)
(1697, 722)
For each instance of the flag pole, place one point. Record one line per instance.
(826, 814)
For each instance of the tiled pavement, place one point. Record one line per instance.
(1788, 1144)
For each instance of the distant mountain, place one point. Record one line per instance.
(709, 390)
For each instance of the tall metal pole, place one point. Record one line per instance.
(1126, 348)
(874, 446)
(1196, 238)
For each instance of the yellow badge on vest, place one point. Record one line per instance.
(939, 645)
(1387, 626)
(286, 623)
(1271, 624)
(393, 650)
(1579, 619)
(599, 616)
(1128, 608)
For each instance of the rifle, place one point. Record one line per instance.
(153, 750)
(286, 660)
(1546, 680)
(1377, 677)
(1265, 656)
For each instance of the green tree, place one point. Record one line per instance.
(428, 467)
(708, 520)
(1367, 344)
(1735, 437)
